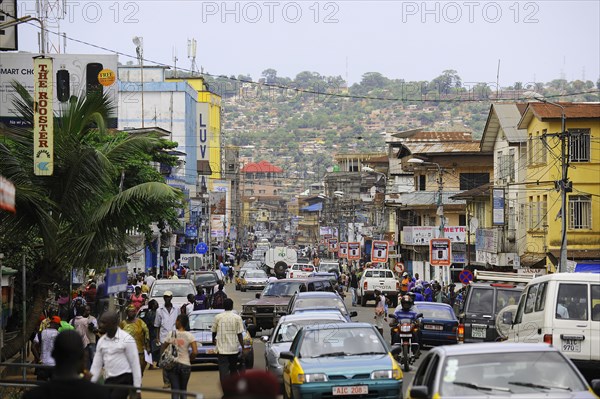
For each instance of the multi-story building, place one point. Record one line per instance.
(542, 123)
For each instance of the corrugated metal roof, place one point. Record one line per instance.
(504, 116)
(442, 147)
(545, 111)
(261, 167)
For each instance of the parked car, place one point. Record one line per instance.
(563, 310)
(207, 280)
(264, 311)
(498, 370)
(253, 280)
(439, 324)
(201, 322)
(349, 359)
(484, 298)
(180, 289)
(319, 300)
(285, 332)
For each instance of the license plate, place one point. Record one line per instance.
(478, 332)
(351, 390)
(405, 335)
(433, 327)
(571, 345)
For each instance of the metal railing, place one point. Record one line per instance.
(14, 388)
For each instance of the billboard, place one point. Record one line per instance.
(333, 244)
(440, 251)
(343, 250)
(74, 75)
(379, 251)
(43, 119)
(8, 37)
(354, 250)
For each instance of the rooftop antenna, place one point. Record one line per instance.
(50, 12)
(498, 80)
(192, 54)
(175, 59)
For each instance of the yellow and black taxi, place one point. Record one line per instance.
(499, 370)
(340, 360)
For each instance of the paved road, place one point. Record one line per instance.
(205, 378)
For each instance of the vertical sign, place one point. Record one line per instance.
(333, 245)
(43, 117)
(203, 154)
(379, 251)
(343, 252)
(354, 250)
(440, 252)
(498, 206)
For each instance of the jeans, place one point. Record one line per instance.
(179, 377)
(353, 291)
(228, 365)
(91, 352)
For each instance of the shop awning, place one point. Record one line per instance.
(313, 208)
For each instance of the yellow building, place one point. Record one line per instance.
(543, 204)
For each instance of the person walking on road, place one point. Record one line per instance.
(68, 354)
(165, 319)
(139, 331)
(227, 332)
(380, 315)
(179, 375)
(43, 347)
(218, 298)
(353, 286)
(149, 318)
(117, 353)
(87, 327)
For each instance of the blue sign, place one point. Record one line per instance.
(201, 248)
(116, 279)
(465, 277)
(191, 231)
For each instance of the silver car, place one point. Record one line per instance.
(180, 289)
(285, 331)
(253, 279)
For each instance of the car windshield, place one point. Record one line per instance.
(255, 274)
(205, 278)
(332, 341)
(285, 288)
(516, 373)
(328, 267)
(178, 290)
(435, 312)
(319, 303)
(251, 265)
(379, 273)
(481, 300)
(287, 331)
(202, 321)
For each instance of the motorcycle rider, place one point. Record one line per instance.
(405, 310)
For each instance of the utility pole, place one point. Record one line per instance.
(564, 185)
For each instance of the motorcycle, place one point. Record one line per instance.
(405, 331)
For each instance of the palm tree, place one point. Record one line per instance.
(78, 217)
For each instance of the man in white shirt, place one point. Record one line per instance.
(165, 319)
(150, 280)
(116, 352)
(227, 332)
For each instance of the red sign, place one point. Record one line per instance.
(379, 251)
(7, 195)
(354, 250)
(440, 252)
(343, 251)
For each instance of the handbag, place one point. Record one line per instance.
(169, 356)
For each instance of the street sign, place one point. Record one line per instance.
(333, 244)
(399, 268)
(343, 251)
(379, 251)
(116, 279)
(440, 252)
(201, 248)
(354, 250)
(465, 277)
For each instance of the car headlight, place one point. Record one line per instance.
(281, 308)
(246, 309)
(314, 377)
(385, 374)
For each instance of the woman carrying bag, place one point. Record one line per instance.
(179, 372)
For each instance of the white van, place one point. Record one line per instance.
(563, 310)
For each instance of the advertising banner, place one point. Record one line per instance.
(343, 251)
(354, 250)
(7, 195)
(379, 251)
(43, 117)
(440, 252)
(498, 206)
(73, 75)
(333, 245)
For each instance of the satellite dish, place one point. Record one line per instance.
(502, 328)
(473, 224)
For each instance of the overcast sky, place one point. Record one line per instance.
(535, 41)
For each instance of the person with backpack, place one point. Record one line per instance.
(218, 298)
(188, 307)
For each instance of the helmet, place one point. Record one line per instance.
(419, 288)
(406, 302)
(425, 283)
(405, 274)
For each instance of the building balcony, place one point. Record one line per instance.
(423, 199)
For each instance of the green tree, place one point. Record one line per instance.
(80, 216)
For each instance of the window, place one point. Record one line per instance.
(481, 301)
(519, 316)
(572, 302)
(420, 182)
(469, 181)
(530, 300)
(579, 145)
(353, 165)
(540, 299)
(595, 302)
(538, 209)
(462, 220)
(536, 149)
(506, 165)
(580, 212)
(506, 298)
